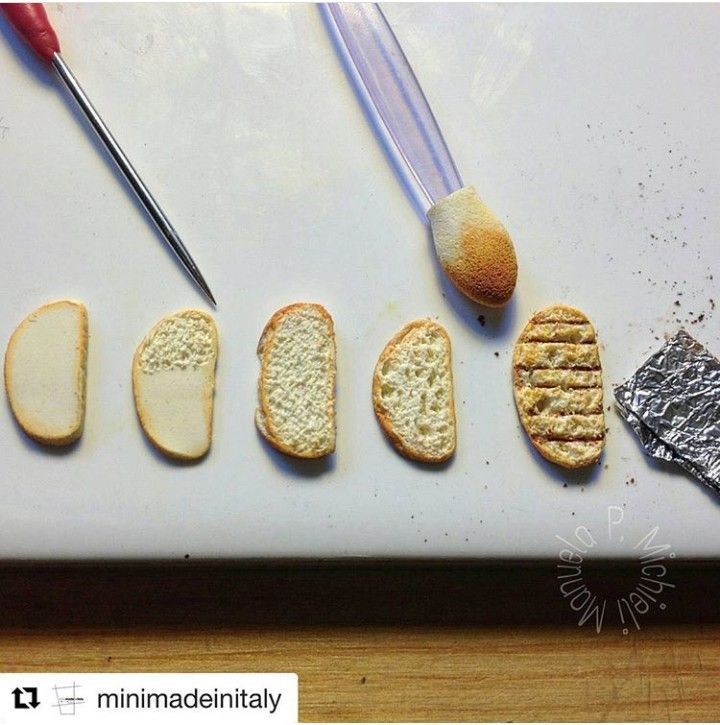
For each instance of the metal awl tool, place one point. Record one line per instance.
(32, 24)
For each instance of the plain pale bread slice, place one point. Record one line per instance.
(173, 376)
(557, 381)
(413, 392)
(46, 371)
(474, 248)
(296, 388)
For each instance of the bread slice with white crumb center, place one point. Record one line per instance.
(173, 377)
(45, 372)
(296, 387)
(413, 392)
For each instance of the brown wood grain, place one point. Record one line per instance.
(380, 643)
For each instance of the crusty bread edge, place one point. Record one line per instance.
(77, 431)
(543, 450)
(208, 401)
(263, 420)
(381, 411)
(559, 306)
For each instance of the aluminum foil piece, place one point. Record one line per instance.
(672, 402)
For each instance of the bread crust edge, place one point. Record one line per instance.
(208, 400)
(77, 431)
(264, 348)
(381, 411)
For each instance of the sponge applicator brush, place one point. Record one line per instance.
(474, 247)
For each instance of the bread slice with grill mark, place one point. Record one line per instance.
(557, 382)
(413, 392)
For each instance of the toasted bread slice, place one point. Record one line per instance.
(557, 381)
(474, 248)
(296, 388)
(46, 372)
(413, 392)
(173, 376)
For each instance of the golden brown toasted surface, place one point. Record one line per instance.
(474, 247)
(557, 382)
(486, 268)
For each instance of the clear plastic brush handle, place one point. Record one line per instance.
(393, 100)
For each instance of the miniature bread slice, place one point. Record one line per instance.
(173, 377)
(413, 392)
(474, 248)
(557, 382)
(296, 388)
(46, 370)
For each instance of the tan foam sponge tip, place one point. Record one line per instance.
(46, 371)
(474, 248)
(173, 376)
(296, 387)
(413, 392)
(557, 381)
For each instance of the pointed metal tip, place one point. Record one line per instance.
(193, 270)
(206, 290)
(196, 275)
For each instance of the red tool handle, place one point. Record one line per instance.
(32, 24)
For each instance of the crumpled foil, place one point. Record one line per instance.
(673, 403)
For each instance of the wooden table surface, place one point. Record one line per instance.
(381, 643)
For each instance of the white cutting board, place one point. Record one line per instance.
(591, 130)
